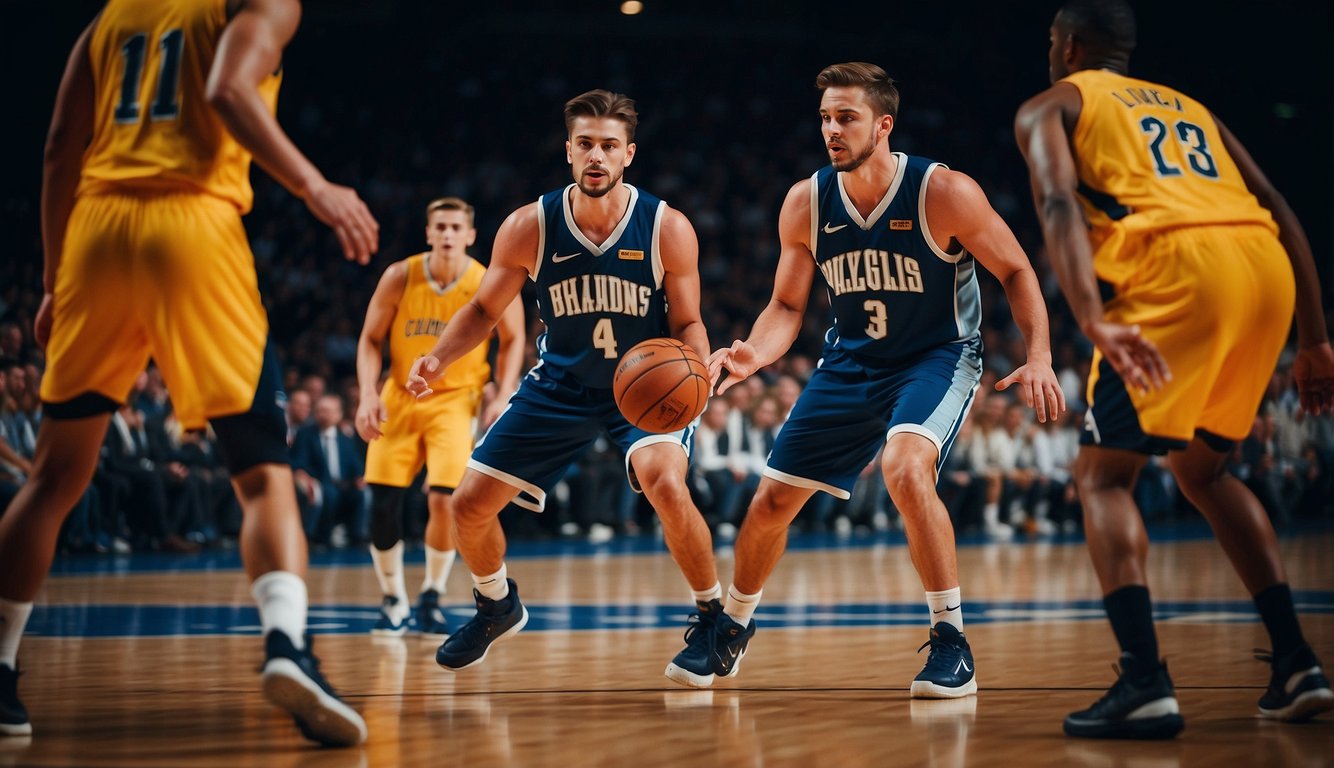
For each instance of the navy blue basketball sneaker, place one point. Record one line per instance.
(390, 624)
(1141, 705)
(1298, 689)
(495, 620)
(430, 619)
(13, 715)
(715, 645)
(292, 680)
(949, 672)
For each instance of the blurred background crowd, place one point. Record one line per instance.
(408, 102)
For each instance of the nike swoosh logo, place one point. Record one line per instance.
(558, 259)
(829, 230)
(948, 608)
(962, 664)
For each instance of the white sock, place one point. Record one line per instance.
(493, 587)
(712, 593)
(281, 596)
(991, 514)
(13, 618)
(389, 572)
(438, 564)
(741, 606)
(946, 606)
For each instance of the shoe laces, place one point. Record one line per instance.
(699, 631)
(942, 653)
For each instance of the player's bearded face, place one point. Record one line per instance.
(852, 157)
(598, 180)
(598, 151)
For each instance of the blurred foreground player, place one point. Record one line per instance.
(147, 175)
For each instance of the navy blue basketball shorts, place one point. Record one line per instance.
(550, 421)
(849, 409)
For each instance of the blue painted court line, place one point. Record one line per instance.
(188, 620)
(230, 560)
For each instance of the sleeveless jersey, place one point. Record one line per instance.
(894, 292)
(598, 300)
(153, 128)
(1150, 158)
(423, 311)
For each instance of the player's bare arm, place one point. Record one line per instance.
(71, 130)
(250, 48)
(780, 322)
(957, 210)
(1042, 130)
(1314, 366)
(371, 412)
(509, 360)
(679, 249)
(513, 259)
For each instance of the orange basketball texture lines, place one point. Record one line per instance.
(661, 385)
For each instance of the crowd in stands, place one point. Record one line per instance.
(724, 150)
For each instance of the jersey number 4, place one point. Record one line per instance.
(604, 338)
(1192, 140)
(165, 106)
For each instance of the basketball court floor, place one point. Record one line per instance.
(152, 661)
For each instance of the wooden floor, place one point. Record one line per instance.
(824, 684)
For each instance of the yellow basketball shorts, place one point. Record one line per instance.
(1217, 301)
(167, 276)
(437, 430)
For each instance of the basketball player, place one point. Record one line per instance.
(1180, 270)
(147, 174)
(613, 266)
(896, 239)
(413, 302)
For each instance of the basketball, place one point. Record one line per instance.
(661, 385)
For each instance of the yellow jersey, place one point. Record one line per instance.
(422, 314)
(1150, 158)
(153, 129)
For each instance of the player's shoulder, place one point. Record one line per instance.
(1062, 97)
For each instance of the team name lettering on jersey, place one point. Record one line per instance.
(423, 326)
(585, 294)
(1136, 97)
(872, 270)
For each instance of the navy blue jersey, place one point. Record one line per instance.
(598, 300)
(895, 293)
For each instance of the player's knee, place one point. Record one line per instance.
(666, 492)
(467, 512)
(249, 439)
(386, 516)
(906, 480)
(769, 510)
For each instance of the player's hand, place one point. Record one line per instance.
(424, 370)
(41, 327)
(1038, 388)
(340, 208)
(739, 360)
(1314, 371)
(1134, 358)
(371, 413)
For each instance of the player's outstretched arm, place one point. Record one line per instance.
(1314, 367)
(780, 322)
(509, 360)
(250, 48)
(1041, 132)
(957, 210)
(513, 259)
(71, 130)
(680, 280)
(371, 412)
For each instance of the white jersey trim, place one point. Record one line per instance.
(806, 482)
(541, 238)
(655, 254)
(950, 258)
(676, 438)
(616, 233)
(815, 213)
(535, 499)
(879, 210)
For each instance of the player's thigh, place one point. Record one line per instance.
(832, 433)
(98, 343)
(210, 331)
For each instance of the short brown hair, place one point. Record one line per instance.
(450, 204)
(879, 87)
(603, 103)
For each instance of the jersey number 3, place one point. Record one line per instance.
(166, 106)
